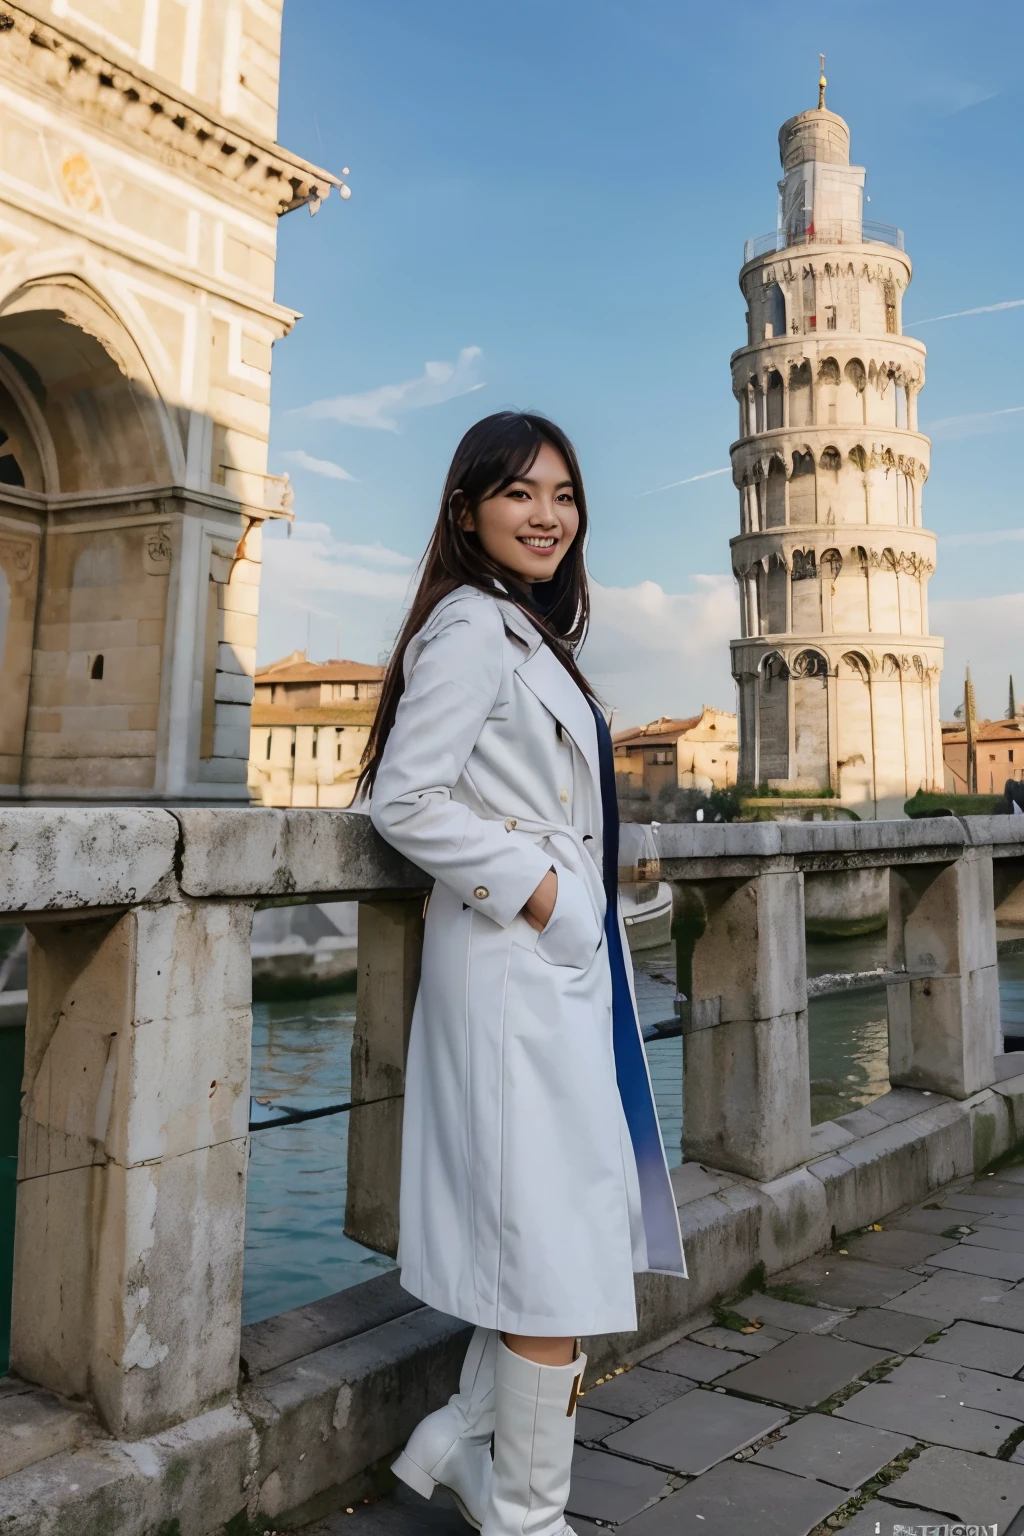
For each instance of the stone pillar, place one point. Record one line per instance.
(944, 1028)
(390, 946)
(746, 1082)
(132, 1163)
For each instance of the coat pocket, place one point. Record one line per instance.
(573, 933)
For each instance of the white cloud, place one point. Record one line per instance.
(652, 652)
(313, 562)
(325, 467)
(380, 408)
(976, 540)
(980, 631)
(982, 309)
(709, 474)
(974, 424)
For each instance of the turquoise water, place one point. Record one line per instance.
(296, 1250)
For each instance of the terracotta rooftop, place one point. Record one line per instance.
(296, 669)
(344, 712)
(988, 730)
(661, 732)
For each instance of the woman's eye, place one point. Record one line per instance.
(519, 494)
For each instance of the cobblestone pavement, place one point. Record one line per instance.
(876, 1390)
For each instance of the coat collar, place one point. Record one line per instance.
(545, 677)
(548, 680)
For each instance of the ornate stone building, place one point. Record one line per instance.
(140, 188)
(837, 674)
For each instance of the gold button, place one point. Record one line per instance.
(563, 795)
(481, 893)
(510, 823)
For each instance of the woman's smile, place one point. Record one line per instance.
(544, 492)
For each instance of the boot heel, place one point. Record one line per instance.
(419, 1481)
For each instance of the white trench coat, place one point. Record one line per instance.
(521, 1204)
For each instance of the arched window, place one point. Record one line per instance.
(809, 664)
(831, 564)
(96, 670)
(805, 566)
(776, 494)
(800, 394)
(828, 371)
(831, 458)
(858, 457)
(803, 501)
(774, 311)
(774, 400)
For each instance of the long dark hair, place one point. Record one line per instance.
(493, 454)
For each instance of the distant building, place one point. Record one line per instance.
(701, 752)
(310, 723)
(1000, 755)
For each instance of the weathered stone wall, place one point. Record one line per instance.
(140, 190)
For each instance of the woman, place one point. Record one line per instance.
(534, 1181)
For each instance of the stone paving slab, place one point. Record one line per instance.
(847, 1282)
(697, 1361)
(832, 1450)
(985, 1205)
(791, 1315)
(1012, 1175)
(986, 1349)
(949, 1296)
(941, 1421)
(610, 1487)
(878, 1518)
(995, 1184)
(962, 1384)
(591, 1425)
(804, 1371)
(404, 1513)
(896, 1247)
(697, 1430)
(758, 1343)
(1004, 1238)
(922, 1220)
(1010, 1223)
(896, 1332)
(974, 1489)
(636, 1392)
(981, 1261)
(739, 1499)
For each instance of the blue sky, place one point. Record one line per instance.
(550, 202)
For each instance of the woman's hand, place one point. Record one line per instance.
(542, 903)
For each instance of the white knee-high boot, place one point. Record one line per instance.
(535, 1422)
(453, 1446)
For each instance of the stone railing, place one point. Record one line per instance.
(134, 1141)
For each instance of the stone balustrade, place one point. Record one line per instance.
(134, 1138)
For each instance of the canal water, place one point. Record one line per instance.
(296, 1251)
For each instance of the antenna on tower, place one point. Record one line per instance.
(822, 84)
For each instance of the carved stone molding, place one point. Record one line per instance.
(182, 133)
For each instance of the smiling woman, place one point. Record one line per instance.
(534, 1180)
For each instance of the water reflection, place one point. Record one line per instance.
(295, 1249)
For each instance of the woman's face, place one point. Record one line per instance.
(528, 527)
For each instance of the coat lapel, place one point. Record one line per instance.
(548, 680)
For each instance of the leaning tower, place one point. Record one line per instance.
(837, 674)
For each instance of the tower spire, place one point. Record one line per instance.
(822, 84)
